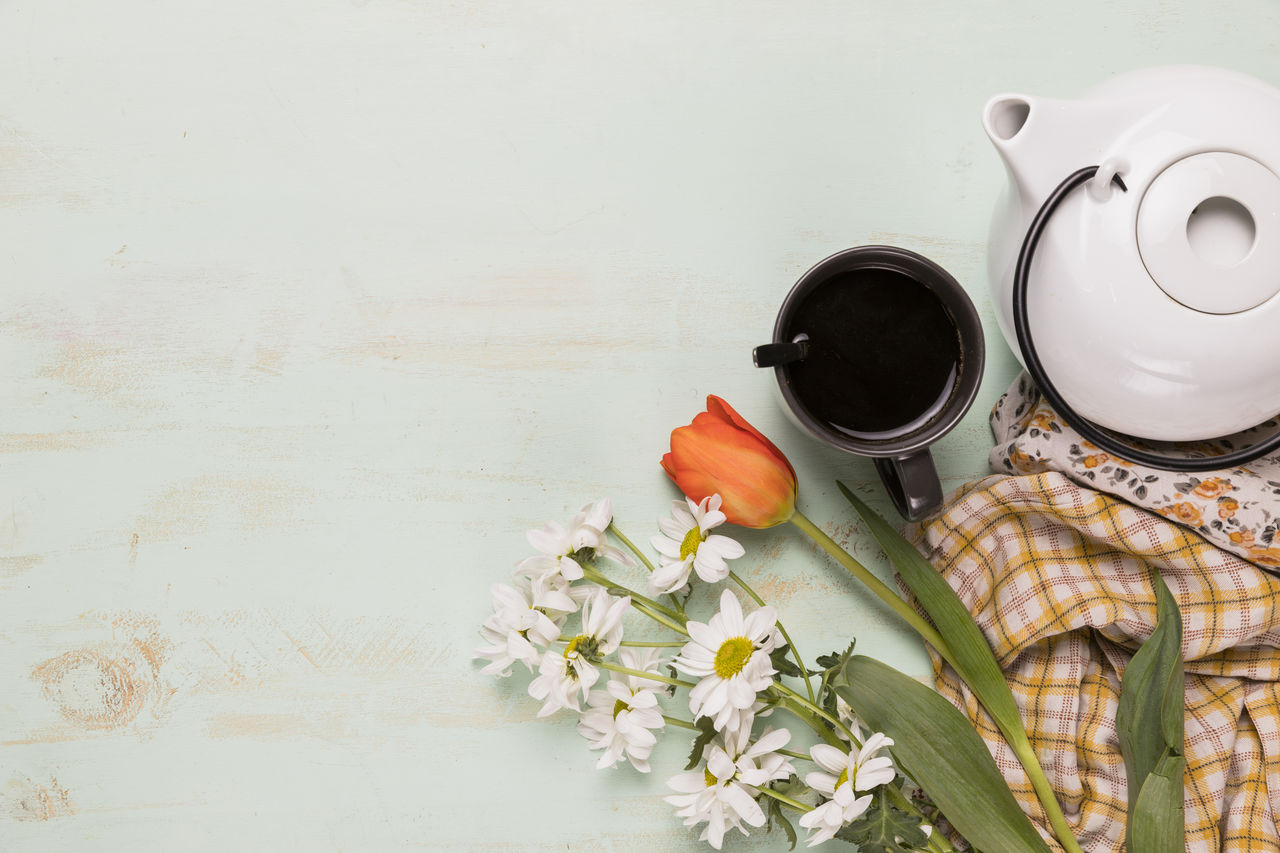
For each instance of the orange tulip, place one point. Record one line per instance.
(720, 453)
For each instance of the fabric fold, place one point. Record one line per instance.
(1059, 577)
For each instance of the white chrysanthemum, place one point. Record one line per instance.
(564, 549)
(621, 719)
(563, 677)
(723, 794)
(730, 654)
(742, 719)
(686, 546)
(526, 618)
(857, 772)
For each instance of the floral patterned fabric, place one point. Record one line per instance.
(1235, 509)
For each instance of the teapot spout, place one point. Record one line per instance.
(1042, 140)
(1005, 116)
(1019, 128)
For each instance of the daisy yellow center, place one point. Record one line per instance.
(584, 646)
(709, 778)
(618, 708)
(843, 777)
(732, 656)
(689, 545)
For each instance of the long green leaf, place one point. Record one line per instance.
(1156, 819)
(937, 747)
(969, 653)
(1149, 725)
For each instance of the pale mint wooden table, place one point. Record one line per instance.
(309, 309)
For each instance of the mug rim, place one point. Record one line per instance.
(964, 318)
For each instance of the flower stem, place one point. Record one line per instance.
(660, 619)
(612, 528)
(1021, 747)
(795, 653)
(801, 710)
(1014, 735)
(676, 721)
(793, 754)
(785, 800)
(879, 587)
(652, 676)
(937, 841)
(795, 697)
(640, 644)
(594, 576)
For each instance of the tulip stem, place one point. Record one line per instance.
(795, 653)
(879, 587)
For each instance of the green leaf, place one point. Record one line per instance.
(937, 747)
(775, 816)
(1154, 822)
(884, 828)
(783, 664)
(1149, 723)
(969, 652)
(706, 731)
(835, 661)
(832, 664)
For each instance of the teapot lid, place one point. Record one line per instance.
(1208, 232)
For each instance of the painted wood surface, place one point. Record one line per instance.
(309, 309)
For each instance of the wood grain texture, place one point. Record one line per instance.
(309, 310)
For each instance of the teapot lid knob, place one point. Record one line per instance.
(1209, 232)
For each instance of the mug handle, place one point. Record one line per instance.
(912, 483)
(779, 353)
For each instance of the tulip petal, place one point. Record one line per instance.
(718, 406)
(747, 473)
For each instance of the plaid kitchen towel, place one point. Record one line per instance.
(1059, 577)
(1236, 509)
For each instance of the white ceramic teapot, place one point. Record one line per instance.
(1152, 292)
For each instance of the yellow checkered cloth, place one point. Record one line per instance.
(1059, 578)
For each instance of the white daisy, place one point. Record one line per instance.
(526, 618)
(563, 550)
(759, 763)
(621, 718)
(563, 676)
(730, 654)
(685, 545)
(859, 771)
(742, 719)
(723, 794)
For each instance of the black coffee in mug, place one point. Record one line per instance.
(878, 351)
(883, 354)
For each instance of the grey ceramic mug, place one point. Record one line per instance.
(861, 350)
